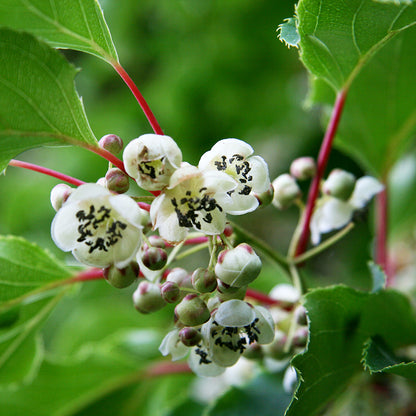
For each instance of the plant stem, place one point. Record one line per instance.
(46, 171)
(323, 246)
(321, 165)
(263, 298)
(139, 97)
(381, 252)
(165, 368)
(108, 156)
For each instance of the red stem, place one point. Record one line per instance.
(381, 252)
(108, 156)
(165, 368)
(321, 165)
(265, 299)
(46, 171)
(87, 275)
(139, 97)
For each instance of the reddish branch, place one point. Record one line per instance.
(321, 165)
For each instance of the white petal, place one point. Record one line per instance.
(365, 188)
(170, 230)
(219, 182)
(314, 225)
(128, 209)
(260, 173)
(335, 214)
(241, 204)
(125, 249)
(235, 313)
(202, 369)
(87, 191)
(230, 147)
(64, 229)
(265, 325)
(223, 355)
(171, 345)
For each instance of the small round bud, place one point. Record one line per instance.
(301, 315)
(155, 241)
(228, 230)
(285, 294)
(286, 191)
(59, 195)
(300, 339)
(339, 184)
(121, 278)
(154, 258)
(170, 292)
(111, 143)
(192, 311)
(181, 277)
(303, 168)
(266, 197)
(190, 336)
(204, 280)
(147, 298)
(238, 266)
(117, 181)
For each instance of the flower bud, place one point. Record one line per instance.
(301, 315)
(286, 294)
(111, 143)
(59, 195)
(121, 278)
(204, 280)
(192, 311)
(170, 292)
(300, 339)
(339, 184)
(181, 277)
(303, 168)
(190, 336)
(154, 258)
(147, 298)
(117, 181)
(286, 191)
(265, 198)
(238, 266)
(155, 241)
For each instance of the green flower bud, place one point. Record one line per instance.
(238, 266)
(111, 143)
(300, 339)
(192, 311)
(154, 258)
(170, 292)
(303, 168)
(181, 277)
(155, 241)
(339, 184)
(117, 181)
(286, 191)
(59, 194)
(147, 298)
(266, 197)
(190, 336)
(121, 278)
(204, 280)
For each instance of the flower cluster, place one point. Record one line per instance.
(342, 195)
(134, 241)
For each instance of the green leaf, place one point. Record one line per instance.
(263, 396)
(341, 321)
(38, 102)
(288, 32)
(21, 349)
(378, 275)
(78, 25)
(369, 49)
(378, 357)
(24, 268)
(338, 39)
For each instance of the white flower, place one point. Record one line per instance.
(233, 157)
(99, 228)
(193, 199)
(332, 213)
(172, 345)
(151, 159)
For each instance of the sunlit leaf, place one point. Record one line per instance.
(38, 102)
(78, 25)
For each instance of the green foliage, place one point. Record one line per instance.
(341, 322)
(38, 101)
(78, 25)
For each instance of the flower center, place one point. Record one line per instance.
(98, 229)
(191, 209)
(239, 168)
(152, 168)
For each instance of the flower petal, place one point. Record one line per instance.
(87, 191)
(260, 173)
(365, 189)
(235, 313)
(64, 229)
(172, 345)
(202, 368)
